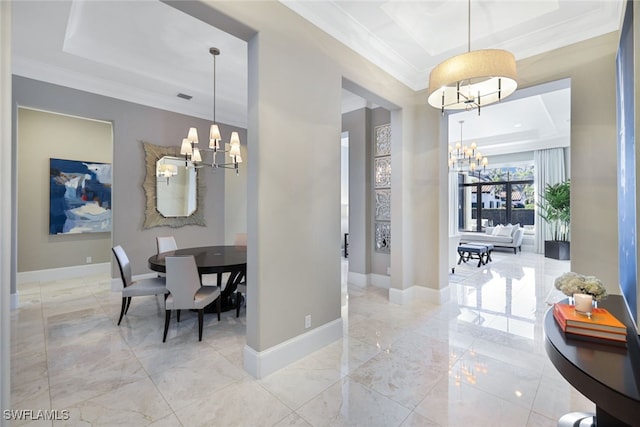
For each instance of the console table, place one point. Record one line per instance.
(607, 375)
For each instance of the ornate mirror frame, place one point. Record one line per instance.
(153, 218)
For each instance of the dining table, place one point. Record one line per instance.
(216, 260)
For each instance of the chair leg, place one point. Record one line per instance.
(167, 319)
(200, 322)
(219, 306)
(126, 310)
(123, 309)
(178, 316)
(237, 304)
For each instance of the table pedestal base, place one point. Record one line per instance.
(227, 304)
(577, 419)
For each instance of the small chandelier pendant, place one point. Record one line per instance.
(194, 157)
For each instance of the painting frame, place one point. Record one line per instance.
(79, 196)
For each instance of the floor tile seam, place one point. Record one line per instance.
(539, 414)
(164, 399)
(503, 399)
(275, 396)
(486, 342)
(401, 404)
(339, 380)
(99, 395)
(46, 353)
(362, 362)
(500, 362)
(288, 415)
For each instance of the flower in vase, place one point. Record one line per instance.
(574, 283)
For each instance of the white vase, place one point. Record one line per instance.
(583, 303)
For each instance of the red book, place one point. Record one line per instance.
(601, 323)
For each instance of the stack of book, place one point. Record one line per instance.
(602, 326)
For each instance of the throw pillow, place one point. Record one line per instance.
(496, 229)
(515, 228)
(504, 232)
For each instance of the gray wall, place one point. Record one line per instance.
(295, 88)
(43, 135)
(133, 123)
(361, 126)
(591, 67)
(360, 178)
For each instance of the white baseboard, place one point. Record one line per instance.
(419, 293)
(38, 276)
(364, 280)
(358, 279)
(380, 280)
(262, 363)
(15, 301)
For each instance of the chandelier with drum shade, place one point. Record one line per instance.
(473, 79)
(197, 157)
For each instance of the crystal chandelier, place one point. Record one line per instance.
(463, 158)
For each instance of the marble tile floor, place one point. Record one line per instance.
(476, 361)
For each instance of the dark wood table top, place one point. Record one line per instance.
(209, 259)
(606, 374)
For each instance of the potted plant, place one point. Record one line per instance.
(555, 209)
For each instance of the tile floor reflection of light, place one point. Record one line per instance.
(477, 360)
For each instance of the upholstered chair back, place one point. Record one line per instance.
(124, 264)
(183, 281)
(166, 244)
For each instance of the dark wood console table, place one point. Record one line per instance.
(607, 375)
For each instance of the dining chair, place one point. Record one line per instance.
(186, 292)
(241, 240)
(135, 288)
(240, 289)
(166, 244)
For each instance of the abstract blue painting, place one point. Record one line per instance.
(80, 197)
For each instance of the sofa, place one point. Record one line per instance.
(501, 236)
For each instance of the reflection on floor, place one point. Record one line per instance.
(477, 361)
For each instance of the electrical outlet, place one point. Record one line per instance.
(89, 260)
(307, 321)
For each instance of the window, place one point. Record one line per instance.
(498, 196)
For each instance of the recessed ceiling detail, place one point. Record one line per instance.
(408, 38)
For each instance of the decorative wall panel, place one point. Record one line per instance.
(383, 205)
(383, 140)
(382, 188)
(382, 167)
(383, 237)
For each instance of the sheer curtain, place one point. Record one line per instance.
(453, 203)
(549, 168)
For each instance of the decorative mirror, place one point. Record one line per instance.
(175, 187)
(174, 193)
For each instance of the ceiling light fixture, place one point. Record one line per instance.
(466, 159)
(193, 155)
(473, 79)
